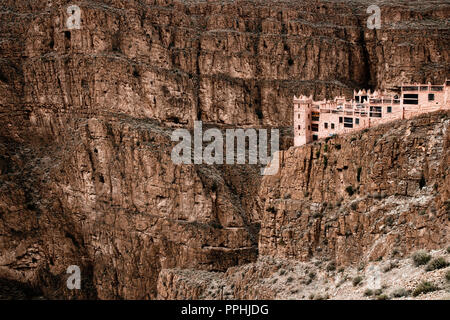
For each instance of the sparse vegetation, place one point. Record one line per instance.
(389, 221)
(377, 292)
(395, 252)
(382, 297)
(447, 276)
(357, 280)
(438, 263)
(400, 293)
(368, 293)
(420, 258)
(424, 287)
(390, 266)
(448, 249)
(331, 266)
(289, 280)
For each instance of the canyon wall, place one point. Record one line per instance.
(86, 116)
(230, 62)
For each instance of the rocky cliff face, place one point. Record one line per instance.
(361, 197)
(353, 206)
(85, 121)
(233, 62)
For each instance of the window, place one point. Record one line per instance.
(410, 88)
(326, 125)
(299, 115)
(411, 99)
(314, 137)
(431, 97)
(348, 122)
(298, 127)
(332, 126)
(389, 109)
(340, 119)
(375, 112)
(315, 127)
(357, 120)
(315, 116)
(309, 127)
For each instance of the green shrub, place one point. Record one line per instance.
(390, 266)
(368, 293)
(438, 263)
(382, 297)
(357, 280)
(400, 293)
(448, 249)
(325, 148)
(331, 266)
(420, 258)
(377, 292)
(338, 146)
(424, 287)
(447, 276)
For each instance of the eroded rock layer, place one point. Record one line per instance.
(85, 120)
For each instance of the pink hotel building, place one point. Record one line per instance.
(319, 119)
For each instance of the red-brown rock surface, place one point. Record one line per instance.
(85, 121)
